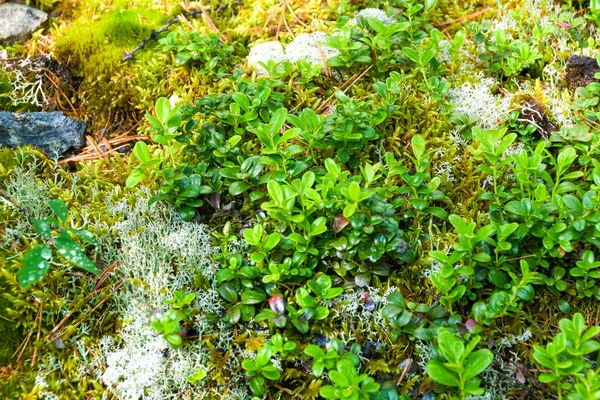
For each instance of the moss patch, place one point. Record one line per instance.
(95, 47)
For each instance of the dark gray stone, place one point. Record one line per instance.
(580, 71)
(53, 132)
(19, 21)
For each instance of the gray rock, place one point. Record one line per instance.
(53, 132)
(19, 21)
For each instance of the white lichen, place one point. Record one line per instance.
(477, 101)
(306, 47)
(375, 13)
(159, 254)
(263, 52)
(510, 340)
(444, 170)
(457, 139)
(27, 81)
(33, 195)
(434, 268)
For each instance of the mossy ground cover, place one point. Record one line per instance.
(340, 200)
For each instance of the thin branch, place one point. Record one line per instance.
(15, 203)
(172, 21)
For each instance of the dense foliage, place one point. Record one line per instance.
(403, 204)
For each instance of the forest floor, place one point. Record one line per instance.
(285, 199)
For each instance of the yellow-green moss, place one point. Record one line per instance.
(95, 47)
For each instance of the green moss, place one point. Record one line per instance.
(30, 179)
(95, 47)
(46, 5)
(5, 89)
(7, 328)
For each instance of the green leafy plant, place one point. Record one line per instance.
(420, 188)
(261, 368)
(587, 102)
(181, 300)
(281, 346)
(348, 384)
(352, 52)
(469, 249)
(166, 123)
(321, 359)
(510, 57)
(308, 309)
(503, 302)
(57, 240)
(594, 12)
(193, 48)
(327, 360)
(197, 376)
(586, 287)
(183, 183)
(586, 386)
(169, 324)
(564, 356)
(493, 144)
(416, 319)
(147, 167)
(460, 365)
(237, 287)
(351, 126)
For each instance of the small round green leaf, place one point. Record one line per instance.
(238, 187)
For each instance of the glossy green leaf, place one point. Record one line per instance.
(439, 373)
(60, 209)
(84, 235)
(477, 362)
(141, 152)
(253, 297)
(330, 392)
(42, 227)
(74, 253)
(35, 265)
(228, 292)
(238, 187)
(270, 372)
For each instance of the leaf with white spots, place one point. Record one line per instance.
(84, 235)
(35, 265)
(42, 227)
(60, 209)
(74, 253)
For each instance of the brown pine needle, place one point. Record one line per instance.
(61, 92)
(289, 7)
(353, 79)
(37, 338)
(326, 69)
(465, 18)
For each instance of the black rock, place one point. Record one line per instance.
(580, 71)
(320, 340)
(19, 21)
(53, 132)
